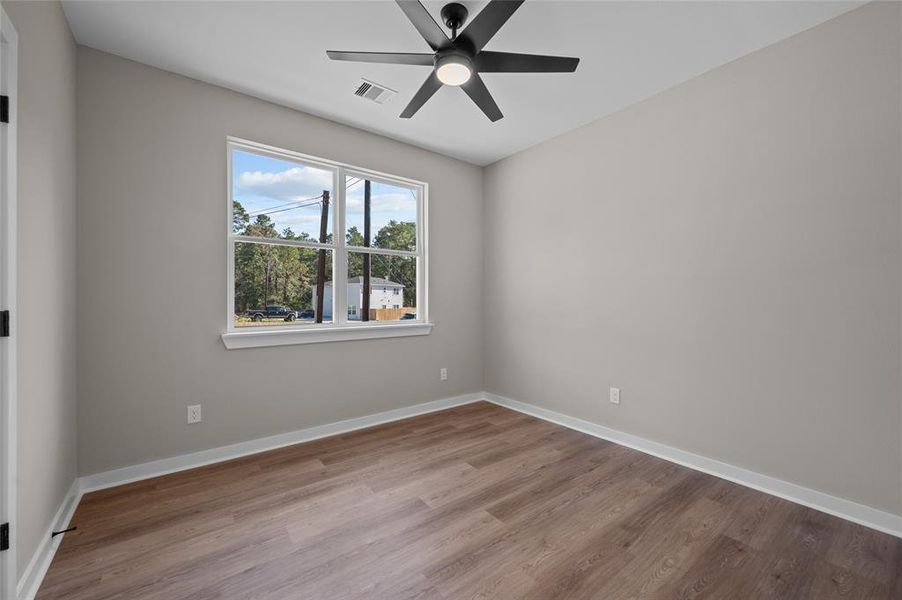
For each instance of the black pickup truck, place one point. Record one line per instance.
(273, 312)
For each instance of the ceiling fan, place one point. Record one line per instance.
(458, 60)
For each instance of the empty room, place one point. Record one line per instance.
(435, 300)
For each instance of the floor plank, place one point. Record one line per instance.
(473, 502)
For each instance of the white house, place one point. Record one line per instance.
(383, 294)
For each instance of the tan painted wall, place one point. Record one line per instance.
(728, 253)
(46, 277)
(152, 275)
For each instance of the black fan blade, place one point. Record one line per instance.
(391, 58)
(510, 62)
(478, 93)
(489, 20)
(429, 87)
(424, 23)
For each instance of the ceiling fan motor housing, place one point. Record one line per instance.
(454, 15)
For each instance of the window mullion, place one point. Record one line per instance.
(340, 267)
(281, 242)
(382, 251)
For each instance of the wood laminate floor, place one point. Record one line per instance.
(473, 502)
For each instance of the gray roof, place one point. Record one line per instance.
(374, 281)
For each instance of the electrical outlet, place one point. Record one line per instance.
(615, 395)
(194, 413)
(443, 374)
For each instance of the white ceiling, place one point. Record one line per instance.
(276, 51)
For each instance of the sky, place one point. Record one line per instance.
(262, 184)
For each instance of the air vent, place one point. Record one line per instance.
(374, 91)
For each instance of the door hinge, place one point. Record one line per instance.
(4, 323)
(4, 537)
(4, 109)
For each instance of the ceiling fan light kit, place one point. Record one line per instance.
(458, 60)
(453, 68)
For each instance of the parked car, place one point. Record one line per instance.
(408, 316)
(307, 313)
(274, 311)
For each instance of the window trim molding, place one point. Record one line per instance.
(326, 333)
(340, 328)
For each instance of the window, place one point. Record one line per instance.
(298, 225)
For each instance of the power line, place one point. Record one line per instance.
(294, 203)
(263, 210)
(290, 205)
(272, 212)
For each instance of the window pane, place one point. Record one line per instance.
(279, 198)
(275, 286)
(393, 287)
(393, 215)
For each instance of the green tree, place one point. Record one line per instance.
(240, 218)
(397, 236)
(355, 259)
(262, 226)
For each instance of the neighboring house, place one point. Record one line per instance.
(383, 294)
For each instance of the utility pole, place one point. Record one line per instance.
(321, 259)
(365, 308)
(267, 256)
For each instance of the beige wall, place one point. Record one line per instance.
(728, 253)
(152, 275)
(46, 261)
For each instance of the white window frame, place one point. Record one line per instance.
(340, 328)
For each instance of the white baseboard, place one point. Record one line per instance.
(839, 507)
(37, 567)
(106, 479)
(845, 509)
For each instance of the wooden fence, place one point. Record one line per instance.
(390, 314)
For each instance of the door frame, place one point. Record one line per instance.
(9, 43)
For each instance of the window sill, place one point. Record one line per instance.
(281, 337)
